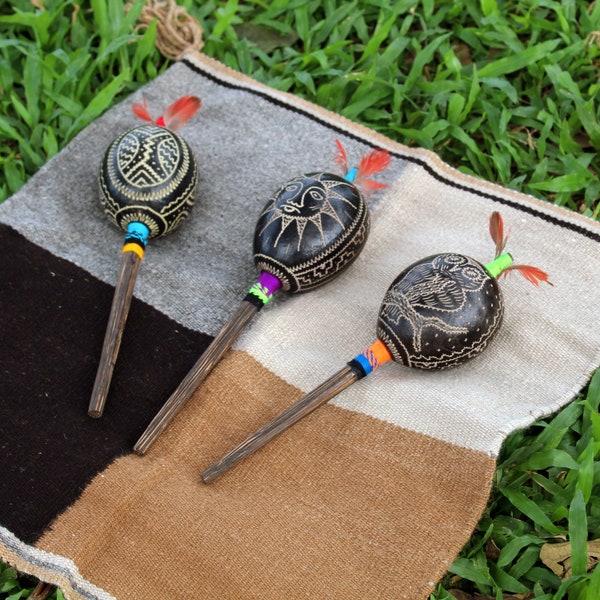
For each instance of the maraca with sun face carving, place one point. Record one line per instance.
(310, 230)
(439, 312)
(148, 178)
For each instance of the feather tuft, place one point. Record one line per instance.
(374, 162)
(532, 274)
(176, 115)
(141, 111)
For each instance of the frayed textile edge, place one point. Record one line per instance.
(49, 568)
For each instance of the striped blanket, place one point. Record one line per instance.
(372, 495)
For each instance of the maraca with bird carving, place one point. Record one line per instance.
(438, 313)
(148, 179)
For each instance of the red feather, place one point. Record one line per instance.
(532, 274)
(176, 115)
(369, 185)
(374, 162)
(141, 111)
(497, 232)
(341, 158)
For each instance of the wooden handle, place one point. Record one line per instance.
(130, 263)
(225, 338)
(333, 386)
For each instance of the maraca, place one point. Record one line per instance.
(308, 232)
(148, 179)
(438, 313)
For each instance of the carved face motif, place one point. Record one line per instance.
(309, 213)
(302, 198)
(313, 226)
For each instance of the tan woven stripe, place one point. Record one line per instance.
(341, 506)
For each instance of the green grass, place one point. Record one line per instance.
(507, 91)
(59, 70)
(504, 90)
(545, 491)
(14, 586)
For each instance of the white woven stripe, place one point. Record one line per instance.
(50, 568)
(544, 353)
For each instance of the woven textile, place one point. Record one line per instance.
(371, 496)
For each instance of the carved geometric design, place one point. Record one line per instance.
(149, 175)
(149, 160)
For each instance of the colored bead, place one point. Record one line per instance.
(371, 359)
(495, 267)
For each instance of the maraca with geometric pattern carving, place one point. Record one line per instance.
(148, 179)
(438, 313)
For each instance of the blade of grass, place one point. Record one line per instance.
(510, 64)
(593, 590)
(32, 82)
(578, 534)
(99, 103)
(585, 478)
(529, 508)
(511, 550)
(467, 570)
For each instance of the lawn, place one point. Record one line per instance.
(504, 90)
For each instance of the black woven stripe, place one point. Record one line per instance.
(52, 327)
(438, 176)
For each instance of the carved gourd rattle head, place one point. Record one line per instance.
(148, 179)
(445, 309)
(316, 225)
(148, 176)
(309, 231)
(438, 313)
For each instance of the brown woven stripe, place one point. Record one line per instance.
(341, 506)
